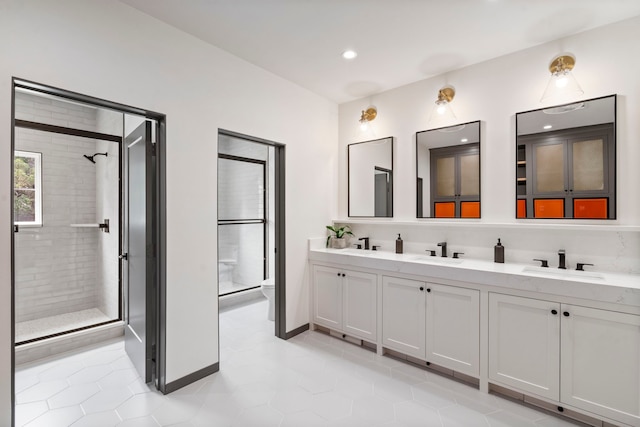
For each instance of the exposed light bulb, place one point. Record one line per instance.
(442, 108)
(562, 81)
(364, 125)
(562, 85)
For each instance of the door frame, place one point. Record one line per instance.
(280, 230)
(159, 206)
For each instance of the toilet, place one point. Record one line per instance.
(268, 287)
(228, 259)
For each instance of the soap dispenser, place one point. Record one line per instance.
(399, 244)
(498, 253)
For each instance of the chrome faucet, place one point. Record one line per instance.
(366, 242)
(444, 249)
(561, 262)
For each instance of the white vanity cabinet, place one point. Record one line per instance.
(584, 357)
(404, 316)
(345, 301)
(432, 322)
(453, 328)
(600, 362)
(524, 344)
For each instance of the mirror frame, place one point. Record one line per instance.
(430, 172)
(391, 180)
(610, 161)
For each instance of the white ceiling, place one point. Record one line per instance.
(398, 41)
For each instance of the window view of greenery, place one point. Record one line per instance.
(24, 192)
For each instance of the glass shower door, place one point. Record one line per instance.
(242, 262)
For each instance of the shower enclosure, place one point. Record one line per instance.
(245, 214)
(67, 214)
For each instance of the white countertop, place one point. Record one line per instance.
(593, 285)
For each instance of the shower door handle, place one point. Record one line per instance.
(124, 256)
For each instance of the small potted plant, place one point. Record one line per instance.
(338, 240)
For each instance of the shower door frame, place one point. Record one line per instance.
(249, 221)
(80, 133)
(159, 207)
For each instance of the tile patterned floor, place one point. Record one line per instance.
(311, 380)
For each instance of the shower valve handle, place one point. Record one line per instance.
(124, 256)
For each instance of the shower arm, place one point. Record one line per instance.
(90, 158)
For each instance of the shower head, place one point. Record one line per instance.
(90, 158)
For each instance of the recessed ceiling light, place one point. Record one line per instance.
(547, 127)
(464, 140)
(349, 54)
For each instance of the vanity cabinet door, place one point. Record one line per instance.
(360, 304)
(403, 316)
(601, 362)
(453, 328)
(524, 344)
(327, 297)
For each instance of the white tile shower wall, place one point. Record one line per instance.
(608, 251)
(107, 206)
(55, 263)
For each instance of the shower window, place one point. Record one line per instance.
(27, 188)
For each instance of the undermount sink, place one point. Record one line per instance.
(438, 259)
(562, 274)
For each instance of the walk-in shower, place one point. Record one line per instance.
(67, 214)
(246, 226)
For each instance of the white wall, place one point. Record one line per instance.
(494, 91)
(109, 50)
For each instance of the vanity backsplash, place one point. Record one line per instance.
(607, 250)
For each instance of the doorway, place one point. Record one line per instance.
(251, 227)
(76, 220)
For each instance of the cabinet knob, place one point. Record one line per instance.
(428, 289)
(566, 314)
(338, 274)
(554, 312)
(422, 288)
(343, 275)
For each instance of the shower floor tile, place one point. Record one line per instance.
(55, 324)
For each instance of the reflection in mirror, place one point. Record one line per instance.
(565, 161)
(371, 178)
(448, 172)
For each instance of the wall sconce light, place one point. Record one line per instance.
(562, 83)
(367, 116)
(442, 110)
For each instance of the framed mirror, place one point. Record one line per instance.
(371, 178)
(448, 172)
(566, 161)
